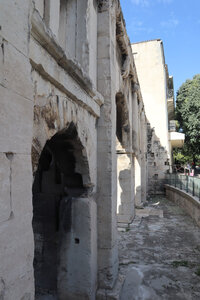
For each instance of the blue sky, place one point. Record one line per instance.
(177, 23)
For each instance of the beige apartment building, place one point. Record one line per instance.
(158, 95)
(73, 146)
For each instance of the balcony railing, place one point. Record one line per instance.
(186, 183)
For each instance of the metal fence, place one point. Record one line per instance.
(184, 182)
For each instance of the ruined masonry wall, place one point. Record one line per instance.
(158, 163)
(64, 93)
(16, 123)
(59, 68)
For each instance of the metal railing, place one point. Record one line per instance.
(186, 183)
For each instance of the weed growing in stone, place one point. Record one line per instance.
(181, 263)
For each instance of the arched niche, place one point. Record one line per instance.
(125, 195)
(122, 122)
(63, 210)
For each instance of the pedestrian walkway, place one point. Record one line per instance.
(159, 254)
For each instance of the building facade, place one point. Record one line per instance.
(158, 96)
(73, 147)
(71, 111)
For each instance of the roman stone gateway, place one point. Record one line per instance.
(73, 147)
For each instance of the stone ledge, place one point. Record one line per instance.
(189, 203)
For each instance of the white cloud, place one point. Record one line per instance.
(141, 2)
(149, 2)
(171, 22)
(136, 27)
(165, 1)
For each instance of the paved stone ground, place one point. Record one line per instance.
(160, 254)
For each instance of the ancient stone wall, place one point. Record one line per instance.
(66, 107)
(72, 147)
(16, 122)
(118, 137)
(158, 163)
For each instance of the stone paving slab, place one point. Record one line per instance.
(159, 254)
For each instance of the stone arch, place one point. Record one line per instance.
(125, 198)
(138, 146)
(122, 121)
(62, 205)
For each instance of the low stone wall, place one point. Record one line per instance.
(189, 203)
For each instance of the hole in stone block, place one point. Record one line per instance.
(9, 155)
(77, 241)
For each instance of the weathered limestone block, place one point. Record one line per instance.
(39, 5)
(17, 245)
(22, 186)
(5, 188)
(16, 31)
(104, 24)
(103, 47)
(107, 233)
(16, 71)
(92, 40)
(70, 30)
(82, 42)
(108, 266)
(52, 13)
(104, 69)
(125, 194)
(16, 117)
(78, 267)
(15, 242)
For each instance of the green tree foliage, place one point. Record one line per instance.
(182, 156)
(188, 115)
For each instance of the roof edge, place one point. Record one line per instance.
(158, 40)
